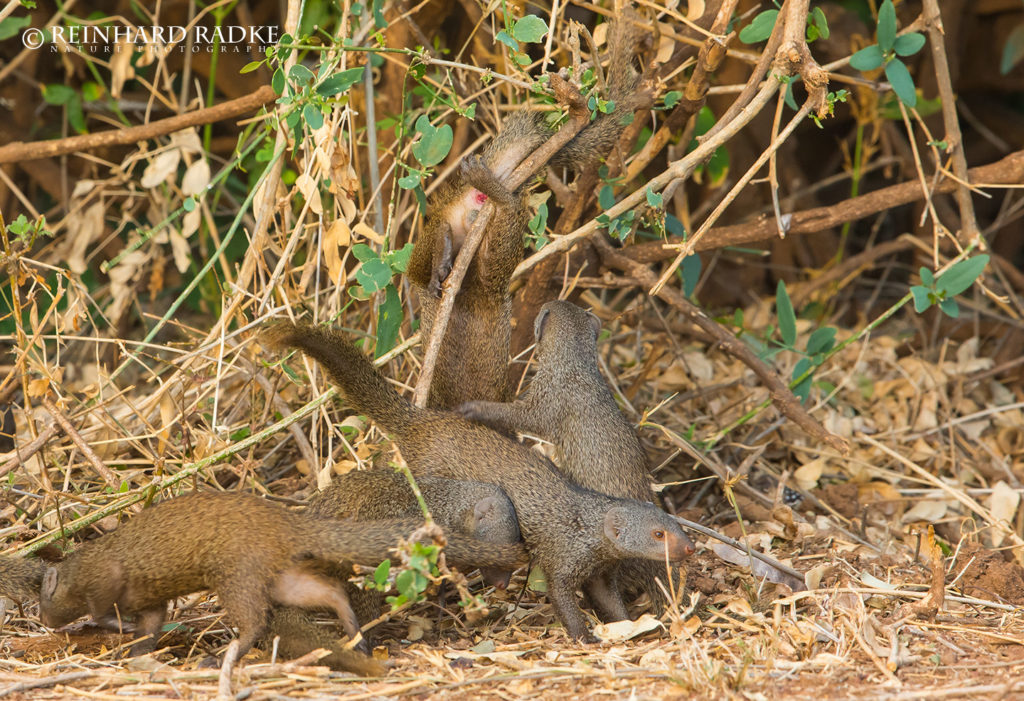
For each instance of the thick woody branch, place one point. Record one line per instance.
(21, 151)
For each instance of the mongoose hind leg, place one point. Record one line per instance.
(444, 258)
(604, 592)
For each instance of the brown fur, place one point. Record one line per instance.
(249, 551)
(571, 532)
(476, 509)
(569, 404)
(20, 577)
(474, 354)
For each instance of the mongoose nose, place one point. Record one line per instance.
(681, 546)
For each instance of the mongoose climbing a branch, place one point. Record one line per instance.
(474, 353)
(571, 532)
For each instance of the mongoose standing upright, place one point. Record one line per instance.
(569, 404)
(249, 551)
(474, 354)
(571, 532)
(475, 509)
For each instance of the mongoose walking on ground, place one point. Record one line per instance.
(474, 355)
(571, 532)
(249, 551)
(569, 404)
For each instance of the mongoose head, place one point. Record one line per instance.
(560, 323)
(494, 521)
(644, 530)
(59, 603)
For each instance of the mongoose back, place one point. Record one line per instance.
(476, 509)
(249, 551)
(569, 404)
(571, 532)
(474, 354)
(20, 577)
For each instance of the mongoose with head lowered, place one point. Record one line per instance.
(571, 532)
(249, 551)
(476, 509)
(474, 354)
(568, 403)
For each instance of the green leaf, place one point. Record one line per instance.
(12, 25)
(409, 181)
(539, 223)
(1013, 51)
(405, 582)
(277, 81)
(300, 74)
(606, 197)
(886, 26)
(961, 276)
(363, 253)
(76, 118)
(803, 389)
(787, 317)
(91, 91)
(902, 83)
(530, 29)
(818, 20)
(867, 59)
(374, 275)
(434, 143)
(313, 116)
(389, 321)
(508, 41)
(672, 98)
(950, 308)
(189, 204)
(908, 44)
(821, 340)
(57, 94)
(922, 298)
(654, 199)
(340, 82)
(399, 260)
(381, 574)
(691, 273)
(760, 28)
(250, 67)
(927, 277)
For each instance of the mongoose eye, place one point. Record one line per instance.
(659, 535)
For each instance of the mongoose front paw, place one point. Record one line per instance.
(474, 169)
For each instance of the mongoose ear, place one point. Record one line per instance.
(538, 324)
(595, 323)
(614, 522)
(49, 582)
(484, 509)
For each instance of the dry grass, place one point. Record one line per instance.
(139, 385)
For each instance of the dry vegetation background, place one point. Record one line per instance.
(128, 317)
